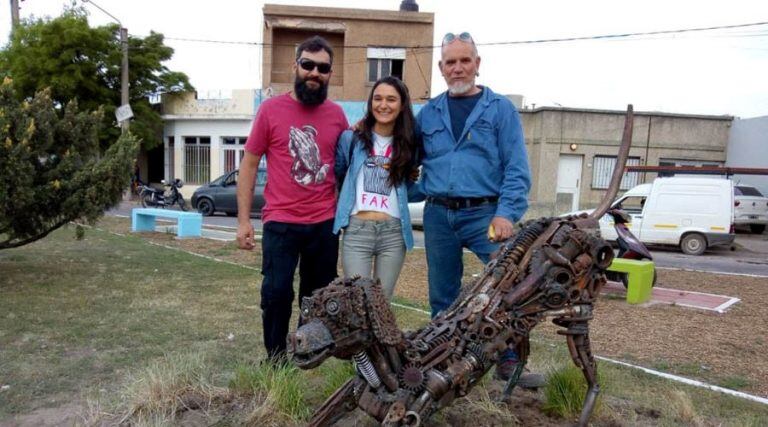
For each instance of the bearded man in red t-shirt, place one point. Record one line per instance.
(297, 132)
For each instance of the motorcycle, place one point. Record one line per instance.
(159, 198)
(629, 245)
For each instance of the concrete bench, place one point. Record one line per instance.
(639, 277)
(189, 224)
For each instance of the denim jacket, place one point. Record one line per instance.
(347, 194)
(488, 159)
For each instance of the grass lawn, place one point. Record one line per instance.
(112, 328)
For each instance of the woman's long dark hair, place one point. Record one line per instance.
(403, 142)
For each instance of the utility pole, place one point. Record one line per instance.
(124, 78)
(124, 112)
(14, 13)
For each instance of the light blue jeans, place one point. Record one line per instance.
(446, 233)
(374, 249)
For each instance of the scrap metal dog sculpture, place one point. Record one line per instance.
(554, 268)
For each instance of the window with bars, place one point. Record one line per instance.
(378, 68)
(602, 170)
(232, 150)
(197, 159)
(384, 62)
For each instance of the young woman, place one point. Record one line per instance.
(373, 200)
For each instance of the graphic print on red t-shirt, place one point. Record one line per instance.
(307, 167)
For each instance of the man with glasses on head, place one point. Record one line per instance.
(297, 132)
(475, 174)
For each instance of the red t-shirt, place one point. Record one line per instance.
(299, 143)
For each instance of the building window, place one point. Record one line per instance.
(232, 152)
(170, 156)
(682, 162)
(384, 62)
(602, 170)
(197, 159)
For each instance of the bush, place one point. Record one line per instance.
(53, 171)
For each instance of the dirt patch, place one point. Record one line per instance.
(727, 349)
(68, 414)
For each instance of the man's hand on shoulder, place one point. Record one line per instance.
(245, 236)
(500, 229)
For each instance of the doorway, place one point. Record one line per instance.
(569, 181)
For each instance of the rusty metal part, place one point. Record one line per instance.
(412, 378)
(553, 269)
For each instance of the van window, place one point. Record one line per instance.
(632, 205)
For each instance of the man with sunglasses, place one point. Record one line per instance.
(297, 132)
(475, 173)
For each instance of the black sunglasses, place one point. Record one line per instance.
(465, 37)
(309, 65)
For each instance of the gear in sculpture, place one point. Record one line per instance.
(554, 268)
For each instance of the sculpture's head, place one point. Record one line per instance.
(342, 319)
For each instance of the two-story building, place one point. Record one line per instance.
(204, 138)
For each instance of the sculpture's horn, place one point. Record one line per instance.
(618, 171)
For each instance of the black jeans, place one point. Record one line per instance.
(315, 249)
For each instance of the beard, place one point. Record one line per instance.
(460, 88)
(307, 95)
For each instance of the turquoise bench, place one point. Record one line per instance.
(639, 276)
(189, 224)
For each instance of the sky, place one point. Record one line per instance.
(720, 72)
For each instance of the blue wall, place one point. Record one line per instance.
(354, 110)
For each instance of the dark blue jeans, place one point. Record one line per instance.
(314, 248)
(446, 233)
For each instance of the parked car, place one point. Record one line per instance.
(692, 213)
(751, 208)
(220, 195)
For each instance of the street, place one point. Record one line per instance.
(748, 256)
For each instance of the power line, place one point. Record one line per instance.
(503, 43)
(625, 35)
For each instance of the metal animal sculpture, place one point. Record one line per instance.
(554, 268)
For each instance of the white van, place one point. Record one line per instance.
(693, 213)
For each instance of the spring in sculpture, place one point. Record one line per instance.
(553, 268)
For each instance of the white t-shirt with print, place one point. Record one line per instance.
(373, 191)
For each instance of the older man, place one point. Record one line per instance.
(475, 171)
(297, 132)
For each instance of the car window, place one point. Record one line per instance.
(219, 180)
(231, 179)
(746, 191)
(261, 177)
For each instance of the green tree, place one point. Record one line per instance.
(53, 170)
(79, 62)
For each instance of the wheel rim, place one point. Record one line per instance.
(205, 207)
(694, 245)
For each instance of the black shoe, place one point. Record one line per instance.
(531, 381)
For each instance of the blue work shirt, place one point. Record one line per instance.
(348, 189)
(488, 158)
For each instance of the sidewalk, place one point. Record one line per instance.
(698, 300)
